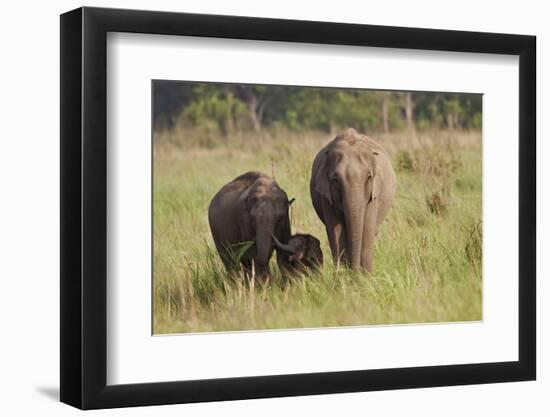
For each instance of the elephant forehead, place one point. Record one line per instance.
(269, 193)
(348, 134)
(350, 162)
(296, 242)
(343, 149)
(272, 202)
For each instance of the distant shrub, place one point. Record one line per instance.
(477, 120)
(438, 201)
(423, 124)
(473, 247)
(404, 161)
(439, 163)
(435, 161)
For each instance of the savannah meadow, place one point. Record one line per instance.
(428, 255)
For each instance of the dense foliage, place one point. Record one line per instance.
(229, 108)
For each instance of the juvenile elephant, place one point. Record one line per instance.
(304, 251)
(352, 188)
(252, 207)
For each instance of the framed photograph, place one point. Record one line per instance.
(257, 208)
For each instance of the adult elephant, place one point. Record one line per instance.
(251, 208)
(352, 188)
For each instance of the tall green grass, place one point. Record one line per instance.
(428, 254)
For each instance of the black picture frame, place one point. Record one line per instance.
(84, 207)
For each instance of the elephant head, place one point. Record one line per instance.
(266, 206)
(304, 251)
(348, 180)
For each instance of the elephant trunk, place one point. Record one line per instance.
(264, 249)
(282, 246)
(354, 211)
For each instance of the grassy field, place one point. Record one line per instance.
(428, 254)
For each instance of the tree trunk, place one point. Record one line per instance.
(253, 113)
(450, 121)
(385, 110)
(409, 111)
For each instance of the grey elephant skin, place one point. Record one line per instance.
(252, 207)
(352, 188)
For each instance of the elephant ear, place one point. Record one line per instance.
(245, 222)
(322, 185)
(246, 197)
(376, 178)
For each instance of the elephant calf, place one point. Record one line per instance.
(304, 251)
(252, 207)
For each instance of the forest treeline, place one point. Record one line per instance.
(229, 108)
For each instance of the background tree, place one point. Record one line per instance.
(227, 108)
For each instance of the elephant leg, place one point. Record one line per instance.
(336, 233)
(250, 267)
(283, 264)
(261, 271)
(369, 233)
